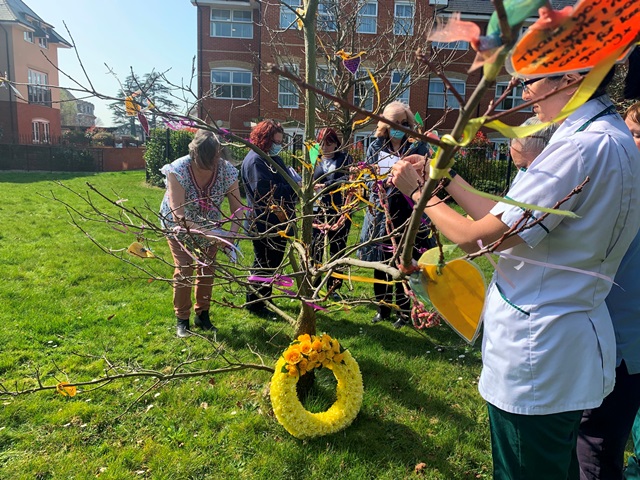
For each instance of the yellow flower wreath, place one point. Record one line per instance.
(303, 355)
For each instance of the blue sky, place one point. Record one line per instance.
(143, 34)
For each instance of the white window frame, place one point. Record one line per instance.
(400, 22)
(362, 16)
(287, 17)
(231, 21)
(406, 81)
(231, 71)
(365, 137)
(438, 100)
(38, 91)
(43, 42)
(323, 76)
(288, 90)
(28, 37)
(292, 138)
(459, 45)
(366, 84)
(40, 131)
(327, 16)
(515, 97)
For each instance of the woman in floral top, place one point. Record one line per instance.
(196, 187)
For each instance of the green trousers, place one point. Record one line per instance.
(632, 471)
(534, 447)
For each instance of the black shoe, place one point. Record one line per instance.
(379, 318)
(401, 321)
(182, 328)
(202, 321)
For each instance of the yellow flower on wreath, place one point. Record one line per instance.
(349, 391)
(293, 355)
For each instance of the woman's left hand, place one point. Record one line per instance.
(404, 174)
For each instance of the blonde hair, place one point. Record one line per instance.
(204, 149)
(393, 109)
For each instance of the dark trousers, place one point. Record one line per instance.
(604, 431)
(384, 293)
(534, 447)
(268, 254)
(337, 240)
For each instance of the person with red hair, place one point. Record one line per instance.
(272, 200)
(331, 171)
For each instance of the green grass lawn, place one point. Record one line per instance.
(68, 311)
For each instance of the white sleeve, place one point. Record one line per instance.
(549, 179)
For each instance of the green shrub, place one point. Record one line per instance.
(236, 153)
(103, 139)
(70, 159)
(164, 146)
(76, 137)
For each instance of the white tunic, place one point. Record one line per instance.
(548, 343)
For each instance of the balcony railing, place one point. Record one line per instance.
(40, 95)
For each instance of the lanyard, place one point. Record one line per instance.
(607, 111)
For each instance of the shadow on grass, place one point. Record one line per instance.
(35, 177)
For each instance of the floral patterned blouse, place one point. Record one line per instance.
(201, 205)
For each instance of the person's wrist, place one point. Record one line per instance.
(447, 180)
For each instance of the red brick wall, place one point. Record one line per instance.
(117, 159)
(235, 115)
(27, 112)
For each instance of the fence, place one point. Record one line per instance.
(484, 170)
(61, 158)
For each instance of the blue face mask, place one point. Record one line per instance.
(275, 149)
(397, 134)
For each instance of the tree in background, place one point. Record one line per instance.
(345, 28)
(153, 87)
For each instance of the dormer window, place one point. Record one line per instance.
(28, 37)
(43, 42)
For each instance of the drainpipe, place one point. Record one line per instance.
(199, 53)
(11, 111)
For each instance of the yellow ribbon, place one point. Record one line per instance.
(356, 278)
(377, 90)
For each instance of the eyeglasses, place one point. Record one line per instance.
(525, 84)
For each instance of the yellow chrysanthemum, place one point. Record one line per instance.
(303, 366)
(316, 345)
(304, 338)
(303, 424)
(305, 347)
(292, 355)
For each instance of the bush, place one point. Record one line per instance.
(236, 153)
(76, 137)
(164, 146)
(103, 139)
(69, 159)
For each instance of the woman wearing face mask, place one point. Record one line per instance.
(331, 172)
(389, 146)
(272, 200)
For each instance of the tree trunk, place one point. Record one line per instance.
(306, 322)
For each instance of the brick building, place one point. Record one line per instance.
(236, 38)
(34, 116)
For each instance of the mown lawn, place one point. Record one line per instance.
(68, 311)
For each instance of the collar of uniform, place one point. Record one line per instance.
(578, 118)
